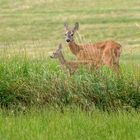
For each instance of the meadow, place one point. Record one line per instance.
(49, 124)
(37, 97)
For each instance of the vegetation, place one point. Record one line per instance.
(25, 82)
(73, 124)
(29, 32)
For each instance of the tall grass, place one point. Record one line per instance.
(28, 78)
(26, 81)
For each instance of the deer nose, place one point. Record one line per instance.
(68, 40)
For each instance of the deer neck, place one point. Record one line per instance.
(62, 59)
(74, 47)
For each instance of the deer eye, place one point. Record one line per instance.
(71, 34)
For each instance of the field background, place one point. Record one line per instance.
(29, 32)
(38, 25)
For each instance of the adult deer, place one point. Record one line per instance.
(72, 66)
(102, 53)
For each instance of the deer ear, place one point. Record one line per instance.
(76, 27)
(66, 26)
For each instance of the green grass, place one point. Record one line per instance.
(30, 31)
(51, 124)
(26, 82)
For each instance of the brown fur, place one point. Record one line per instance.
(101, 53)
(72, 66)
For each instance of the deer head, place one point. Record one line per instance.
(57, 53)
(69, 35)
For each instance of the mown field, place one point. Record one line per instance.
(87, 105)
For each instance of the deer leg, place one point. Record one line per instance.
(116, 68)
(71, 70)
(109, 59)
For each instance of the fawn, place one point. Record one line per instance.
(72, 66)
(102, 53)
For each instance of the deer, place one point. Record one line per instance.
(101, 53)
(71, 66)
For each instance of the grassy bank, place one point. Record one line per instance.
(25, 82)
